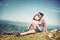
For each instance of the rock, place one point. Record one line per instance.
(54, 31)
(50, 35)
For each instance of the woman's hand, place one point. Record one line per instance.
(35, 16)
(47, 31)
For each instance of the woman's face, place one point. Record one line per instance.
(40, 16)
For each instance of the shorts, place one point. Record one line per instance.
(38, 30)
(39, 26)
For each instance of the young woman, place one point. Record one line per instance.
(38, 23)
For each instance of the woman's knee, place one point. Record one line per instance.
(31, 22)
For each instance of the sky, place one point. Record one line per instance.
(24, 10)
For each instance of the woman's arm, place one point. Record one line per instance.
(44, 23)
(35, 16)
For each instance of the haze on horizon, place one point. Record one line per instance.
(24, 10)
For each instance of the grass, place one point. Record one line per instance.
(37, 36)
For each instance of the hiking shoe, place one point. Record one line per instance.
(16, 33)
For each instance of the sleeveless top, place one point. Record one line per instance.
(39, 25)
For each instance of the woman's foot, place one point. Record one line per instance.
(16, 33)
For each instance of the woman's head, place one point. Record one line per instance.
(40, 15)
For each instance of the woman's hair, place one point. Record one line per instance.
(41, 14)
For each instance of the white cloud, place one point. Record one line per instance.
(52, 10)
(58, 8)
(7, 5)
(0, 4)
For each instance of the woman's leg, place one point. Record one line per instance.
(28, 32)
(31, 24)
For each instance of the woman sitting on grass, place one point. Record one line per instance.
(38, 23)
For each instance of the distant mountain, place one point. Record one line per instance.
(14, 23)
(51, 27)
(12, 26)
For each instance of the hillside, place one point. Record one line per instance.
(12, 26)
(52, 35)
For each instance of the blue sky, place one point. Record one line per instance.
(24, 10)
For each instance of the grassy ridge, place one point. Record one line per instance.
(37, 36)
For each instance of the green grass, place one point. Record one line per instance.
(37, 36)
